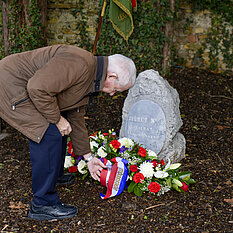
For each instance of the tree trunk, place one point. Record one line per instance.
(5, 13)
(18, 20)
(169, 35)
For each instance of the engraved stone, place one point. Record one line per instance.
(151, 116)
(146, 124)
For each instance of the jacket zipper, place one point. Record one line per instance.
(18, 102)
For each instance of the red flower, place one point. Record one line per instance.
(162, 162)
(185, 187)
(133, 168)
(155, 162)
(73, 169)
(142, 152)
(105, 134)
(115, 144)
(154, 187)
(138, 177)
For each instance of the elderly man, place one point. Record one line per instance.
(43, 95)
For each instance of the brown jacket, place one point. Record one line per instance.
(37, 85)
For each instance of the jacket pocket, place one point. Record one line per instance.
(19, 99)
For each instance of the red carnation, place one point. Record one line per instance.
(155, 162)
(138, 177)
(142, 152)
(133, 168)
(162, 162)
(73, 169)
(154, 187)
(105, 134)
(185, 187)
(115, 144)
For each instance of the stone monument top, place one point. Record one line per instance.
(151, 116)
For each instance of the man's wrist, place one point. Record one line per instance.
(89, 158)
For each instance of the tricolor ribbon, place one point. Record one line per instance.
(114, 177)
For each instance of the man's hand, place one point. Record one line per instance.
(95, 167)
(64, 126)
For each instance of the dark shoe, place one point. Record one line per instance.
(65, 179)
(58, 211)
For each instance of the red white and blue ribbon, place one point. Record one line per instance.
(114, 177)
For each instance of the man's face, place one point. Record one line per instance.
(110, 84)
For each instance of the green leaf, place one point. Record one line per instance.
(174, 186)
(191, 181)
(184, 173)
(137, 191)
(131, 187)
(184, 177)
(169, 182)
(85, 175)
(181, 190)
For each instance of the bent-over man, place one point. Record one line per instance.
(43, 95)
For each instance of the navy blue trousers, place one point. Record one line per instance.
(47, 159)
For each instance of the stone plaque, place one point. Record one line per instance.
(146, 124)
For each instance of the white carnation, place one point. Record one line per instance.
(82, 164)
(152, 154)
(127, 142)
(68, 162)
(147, 169)
(92, 144)
(101, 152)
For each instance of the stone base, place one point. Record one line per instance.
(175, 150)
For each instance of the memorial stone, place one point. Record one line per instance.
(151, 116)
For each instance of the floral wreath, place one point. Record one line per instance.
(143, 170)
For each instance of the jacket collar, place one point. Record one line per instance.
(101, 73)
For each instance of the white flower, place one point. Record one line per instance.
(177, 182)
(92, 144)
(105, 141)
(101, 152)
(147, 169)
(152, 154)
(82, 164)
(127, 142)
(174, 166)
(161, 174)
(167, 165)
(68, 162)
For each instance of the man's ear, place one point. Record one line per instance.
(112, 75)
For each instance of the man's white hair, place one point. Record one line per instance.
(124, 67)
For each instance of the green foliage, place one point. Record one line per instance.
(23, 37)
(218, 7)
(219, 40)
(82, 26)
(145, 45)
